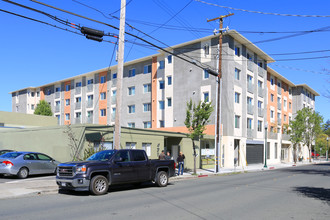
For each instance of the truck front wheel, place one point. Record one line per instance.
(162, 179)
(99, 185)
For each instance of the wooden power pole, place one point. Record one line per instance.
(120, 71)
(218, 155)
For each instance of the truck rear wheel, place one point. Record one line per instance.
(162, 179)
(99, 185)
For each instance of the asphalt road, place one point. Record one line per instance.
(6, 179)
(294, 193)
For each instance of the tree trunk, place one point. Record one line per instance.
(310, 153)
(295, 153)
(194, 147)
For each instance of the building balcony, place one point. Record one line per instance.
(272, 135)
(250, 87)
(286, 137)
(113, 117)
(78, 90)
(57, 95)
(78, 105)
(250, 109)
(77, 120)
(90, 104)
(261, 72)
(57, 108)
(90, 88)
(279, 106)
(113, 99)
(260, 112)
(250, 65)
(249, 133)
(260, 92)
(90, 120)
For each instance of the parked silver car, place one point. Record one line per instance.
(23, 164)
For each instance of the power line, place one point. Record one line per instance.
(293, 53)
(264, 13)
(299, 69)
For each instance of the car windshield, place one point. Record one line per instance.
(102, 155)
(10, 155)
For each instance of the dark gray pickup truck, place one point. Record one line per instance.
(111, 167)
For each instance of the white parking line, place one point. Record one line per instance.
(30, 180)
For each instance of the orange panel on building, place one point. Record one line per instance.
(154, 93)
(67, 108)
(103, 103)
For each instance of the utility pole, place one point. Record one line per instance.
(120, 71)
(218, 143)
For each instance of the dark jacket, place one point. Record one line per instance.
(180, 158)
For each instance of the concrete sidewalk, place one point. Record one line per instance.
(43, 185)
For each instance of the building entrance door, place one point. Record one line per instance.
(175, 152)
(236, 153)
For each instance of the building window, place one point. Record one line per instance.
(146, 88)
(169, 102)
(169, 59)
(147, 124)
(49, 91)
(67, 116)
(259, 84)
(130, 145)
(67, 102)
(146, 107)
(206, 49)
(78, 99)
(161, 105)
(259, 126)
(260, 64)
(284, 118)
(249, 56)
(206, 96)
(275, 150)
(237, 74)
(161, 124)
(102, 79)
(131, 125)
(90, 98)
(32, 94)
(103, 112)
(32, 106)
(78, 84)
(271, 97)
(103, 95)
(161, 84)
(78, 114)
(38, 94)
(271, 114)
(284, 104)
(237, 97)
(271, 81)
(114, 76)
(259, 104)
(161, 64)
(17, 108)
(169, 80)
(278, 100)
(147, 69)
(249, 123)
(90, 81)
(268, 150)
(289, 105)
(237, 121)
(238, 51)
(67, 88)
(131, 90)
(131, 73)
(147, 148)
(131, 109)
(57, 89)
(206, 74)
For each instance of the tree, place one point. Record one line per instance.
(43, 108)
(305, 128)
(321, 143)
(196, 119)
(326, 127)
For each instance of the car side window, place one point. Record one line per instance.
(29, 157)
(43, 157)
(124, 155)
(138, 155)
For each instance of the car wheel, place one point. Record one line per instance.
(99, 185)
(162, 179)
(23, 173)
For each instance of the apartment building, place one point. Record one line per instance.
(155, 90)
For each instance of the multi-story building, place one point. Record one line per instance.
(155, 90)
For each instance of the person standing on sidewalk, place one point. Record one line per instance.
(180, 161)
(161, 156)
(168, 156)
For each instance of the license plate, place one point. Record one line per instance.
(63, 184)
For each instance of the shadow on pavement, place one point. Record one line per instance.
(112, 189)
(314, 192)
(315, 169)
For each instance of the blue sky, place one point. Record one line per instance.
(34, 54)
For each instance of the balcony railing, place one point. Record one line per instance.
(260, 112)
(286, 137)
(279, 121)
(260, 92)
(113, 117)
(78, 105)
(90, 88)
(250, 65)
(113, 99)
(57, 108)
(279, 105)
(250, 87)
(279, 90)
(78, 90)
(250, 133)
(261, 72)
(89, 103)
(250, 109)
(57, 95)
(77, 120)
(272, 135)
(90, 120)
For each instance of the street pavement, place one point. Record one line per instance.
(47, 184)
